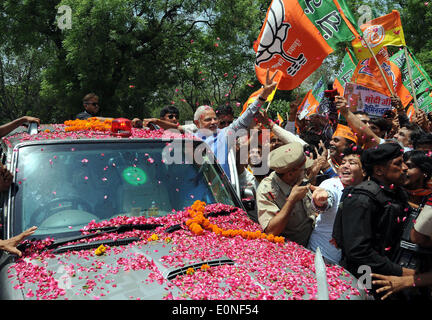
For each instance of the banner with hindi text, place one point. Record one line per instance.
(360, 98)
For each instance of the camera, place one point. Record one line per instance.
(331, 94)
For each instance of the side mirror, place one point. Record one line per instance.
(248, 199)
(32, 128)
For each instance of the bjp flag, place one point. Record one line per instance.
(311, 101)
(297, 35)
(367, 74)
(308, 106)
(382, 31)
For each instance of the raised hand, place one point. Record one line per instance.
(10, 245)
(341, 104)
(269, 86)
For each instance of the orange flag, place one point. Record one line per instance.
(251, 99)
(298, 35)
(368, 75)
(410, 112)
(382, 31)
(308, 106)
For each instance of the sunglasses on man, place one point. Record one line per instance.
(171, 116)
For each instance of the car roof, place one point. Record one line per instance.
(54, 133)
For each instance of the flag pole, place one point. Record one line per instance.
(268, 106)
(271, 96)
(411, 79)
(379, 67)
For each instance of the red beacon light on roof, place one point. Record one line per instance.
(121, 127)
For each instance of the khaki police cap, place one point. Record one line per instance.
(288, 157)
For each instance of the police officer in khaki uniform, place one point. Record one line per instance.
(283, 205)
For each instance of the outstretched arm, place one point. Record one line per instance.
(8, 127)
(284, 135)
(10, 245)
(392, 284)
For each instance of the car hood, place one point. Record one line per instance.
(156, 264)
(135, 271)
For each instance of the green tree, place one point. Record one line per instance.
(416, 18)
(137, 55)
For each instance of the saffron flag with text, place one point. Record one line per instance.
(297, 35)
(380, 32)
(367, 74)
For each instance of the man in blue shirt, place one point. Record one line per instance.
(222, 141)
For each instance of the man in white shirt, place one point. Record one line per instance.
(325, 200)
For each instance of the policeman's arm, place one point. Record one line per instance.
(277, 224)
(285, 136)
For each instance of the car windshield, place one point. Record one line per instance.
(62, 187)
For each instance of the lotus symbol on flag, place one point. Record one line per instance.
(274, 34)
(374, 35)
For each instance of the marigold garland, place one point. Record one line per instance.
(90, 124)
(205, 267)
(198, 223)
(153, 237)
(100, 250)
(190, 271)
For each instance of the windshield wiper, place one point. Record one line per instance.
(103, 230)
(94, 244)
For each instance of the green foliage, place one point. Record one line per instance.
(138, 55)
(416, 18)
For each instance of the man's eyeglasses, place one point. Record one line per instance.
(94, 104)
(171, 116)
